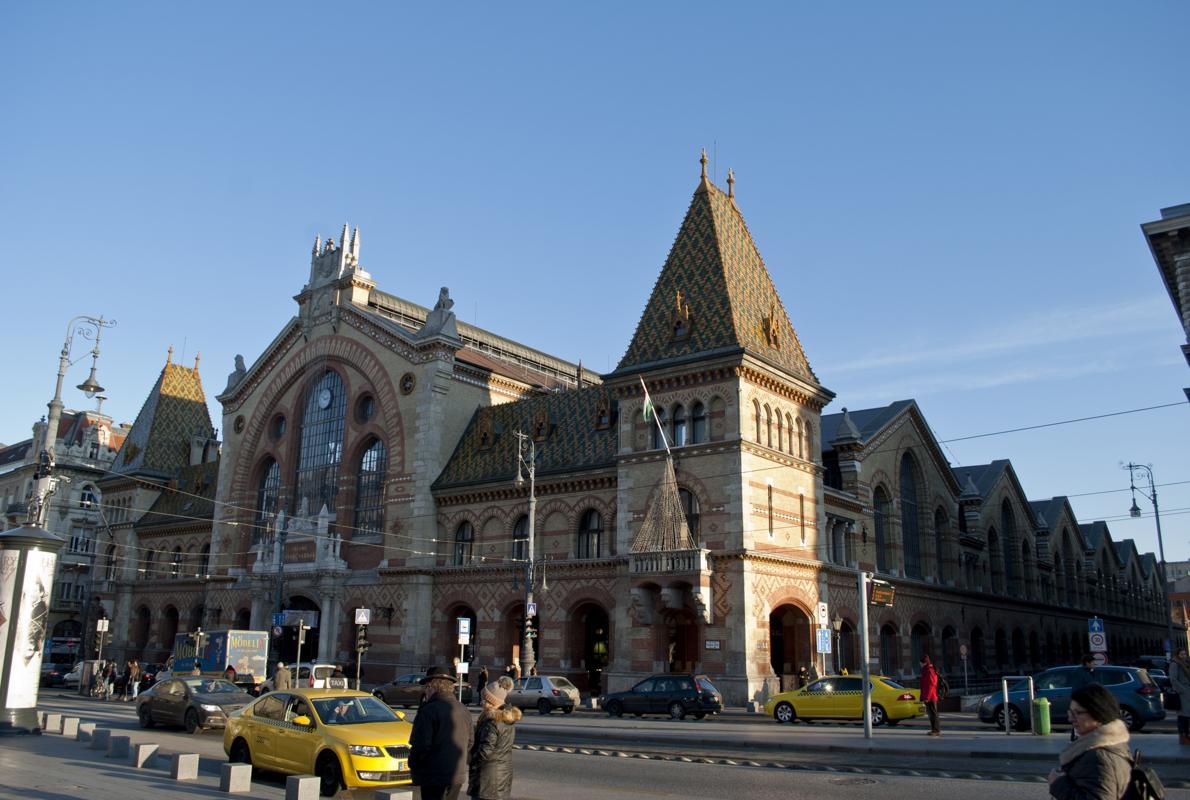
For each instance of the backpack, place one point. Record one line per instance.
(943, 688)
(1144, 783)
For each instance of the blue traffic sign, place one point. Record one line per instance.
(824, 640)
(278, 620)
(1094, 625)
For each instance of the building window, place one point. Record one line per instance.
(880, 515)
(679, 426)
(369, 494)
(690, 509)
(464, 540)
(780, 432)
(909, 530)
(1008, 541)
(317, 481)
(756, 419)
(801, 439)
(266, 498)
(365, 408)
(658, 436)
(175, 566)
(520, 540)
(698, 423)
(768, 426)
(589, 534)
(87, 499)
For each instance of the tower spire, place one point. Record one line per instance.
(169, 355)
(703, 161)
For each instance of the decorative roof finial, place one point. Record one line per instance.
(169, 355)
(197, 356)
(730, 183)
(317, 244)
(703, 160)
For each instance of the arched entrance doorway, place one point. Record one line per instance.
(919, 643)
(244, 619)
(590, 646)
(681, 640)
(790, 634)
(890, 650)
(140, 630)
(168, 629)
(451, 644)
(950, 650)
(845, 652)
(977, 650)
(286, 648)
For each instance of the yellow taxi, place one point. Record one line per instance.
(348, 739)
(842, 697)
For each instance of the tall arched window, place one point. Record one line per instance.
(369, 489)
(266, 498)
(205, 559)
(147, 569)
(520, 539)
(909, 530)
(175, 566)
(768, 426)
(757, 419)
(1008, 540)
(464, 539)
(880, 517)
(658, 427)
(698, 423)
(590, 532)
(317, 480)
(110, 562)
(679, 426)
(995, 560)
(690, 509)
(941, 523)
(87, 499)
(790, 436)
(780, 432)
(801, 439)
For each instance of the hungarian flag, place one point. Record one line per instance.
(648, 410)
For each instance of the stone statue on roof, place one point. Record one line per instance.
(441, 321)
(237, 374)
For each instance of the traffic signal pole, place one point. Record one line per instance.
(865, 652)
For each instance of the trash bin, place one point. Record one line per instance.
(1041, 716)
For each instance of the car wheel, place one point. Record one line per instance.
(330, 781)
(145, 716)
(677, 710)
(240, 754)
(784, 713)
(878, 715)
(1014, 718)
(568, 710)
(892, 723)
(1130, 721)
(192, 721)
(544, 706)
(700, 715)
(614, 709)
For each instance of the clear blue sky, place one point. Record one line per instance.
(948, 195)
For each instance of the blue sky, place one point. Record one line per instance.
(948, 195)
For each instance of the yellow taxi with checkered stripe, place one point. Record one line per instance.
(842, 697)
(348, 739)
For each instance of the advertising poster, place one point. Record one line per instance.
(8, 577)
(25, 659)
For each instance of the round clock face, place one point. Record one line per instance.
(324, 399)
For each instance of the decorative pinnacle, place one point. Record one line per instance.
(169, 355)
(197, 356)
(730, 183)
(317, 244)
(703, 161)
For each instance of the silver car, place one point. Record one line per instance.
(545, 693)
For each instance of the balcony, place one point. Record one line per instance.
(65, 604)
(669, 562)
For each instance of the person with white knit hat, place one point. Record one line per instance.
(490, 767)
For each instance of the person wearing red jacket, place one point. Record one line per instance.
(929, 694)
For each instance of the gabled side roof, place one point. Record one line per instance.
(173, 414)
(188, 500)
(984, 476)
(868, 421)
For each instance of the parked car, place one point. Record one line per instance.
(311, 676)
(302, 732)
(1138, 695)
(1161, 679)
(52, 674)
(75, 675)
(406, 690)
(675, 695)
(842, 697)
(545, 693)
(193, 702)
(151, 673)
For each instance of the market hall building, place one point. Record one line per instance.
(369, 459)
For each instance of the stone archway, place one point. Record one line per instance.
(590, 645)
(140, 631)
(286, 648)
(168, 629)
(790, 638)
(680, 639)
(450, 644)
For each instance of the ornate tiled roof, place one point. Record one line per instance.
(174, 412)
(574, 437)
(714, 295)
(188, 498)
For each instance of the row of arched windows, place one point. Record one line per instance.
(782, 430)
(681, 428)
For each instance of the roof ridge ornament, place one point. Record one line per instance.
(703, 161)
(730, 184)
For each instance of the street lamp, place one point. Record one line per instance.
(1135, 513)
(88, 328)
(527, 657)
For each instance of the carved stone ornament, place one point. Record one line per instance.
(408, 383)
(239, 424)
(680, 323)
(487, 436)
(768, 327)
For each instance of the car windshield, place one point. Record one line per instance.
(892, 683)
(353, 710)
(210, 685)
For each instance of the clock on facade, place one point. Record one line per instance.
(324, 399)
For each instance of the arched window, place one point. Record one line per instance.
(880, 517)
(768, 426)
(204, 560)
(266, 498)
(698, 423)
(909, 531)
(175, 566)
(801, 439)
(464, 539)
(369, 489)
(679, 426)
(690, 509)
(941, 523)
(790, 436)
(1008, 540)
(87, 499)
(890, 650)
(658, 427)
(780, 432)
(590, 532)
(757, 419)
(317, 480)
(110, 562)
(520, 539)
(995, 560)
(1026, 570)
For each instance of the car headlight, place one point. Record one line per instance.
(364, 750)
(211, 709)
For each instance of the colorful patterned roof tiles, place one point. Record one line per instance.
(174, 412)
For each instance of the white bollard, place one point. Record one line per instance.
(301, 787)
(85, 729)
(70, 726)
(51, 723)
(143, 755)
(117, 747)
(235, 778)
(184, 767)
(100, 738)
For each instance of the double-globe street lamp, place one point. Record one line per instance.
(1135, 513)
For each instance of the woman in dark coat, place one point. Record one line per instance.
(490, 769)
(1097, 765)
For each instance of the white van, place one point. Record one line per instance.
(312, 676)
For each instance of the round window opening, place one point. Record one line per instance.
(365, 408)
(278, 426)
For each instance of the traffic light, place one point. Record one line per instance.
(361, 639)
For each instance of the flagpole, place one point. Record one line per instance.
(648, 406)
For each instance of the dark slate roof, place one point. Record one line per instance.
(1124, 549)
(188, 499)
(15, 453)
(573, 443)
(174, 412)
(716, 270)
(984, 476)
(1148, 563)
(1051, 509)
(1094, 533)
(869, 421)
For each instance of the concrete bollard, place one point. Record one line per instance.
(100, 738)
(235, 778)
(396, 793)
(51, 723)
(184, 767)
(117, 747)
(143, 755)
(70, 726)
(84, 731)
(301, 787)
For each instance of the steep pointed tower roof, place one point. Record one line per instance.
(714, 295)
(174, 412)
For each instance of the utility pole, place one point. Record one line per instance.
(1134, 512)
(864, 651)
(527, 657)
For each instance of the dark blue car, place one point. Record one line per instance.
(1138, 695)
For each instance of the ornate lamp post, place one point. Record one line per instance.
(527, 657)
(1134, 512)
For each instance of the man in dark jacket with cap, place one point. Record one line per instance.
(441, 738)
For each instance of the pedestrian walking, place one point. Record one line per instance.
(481, 680)
(803, 676)
(132, 680)
(929, 693)
(490, 769)
(109, 680)
(441, 738)
(281, 678)
(1179, 679)
(1099, 765)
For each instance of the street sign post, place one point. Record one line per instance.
(824, 615)
(464, 640)
(363, 617)
(824, 641)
